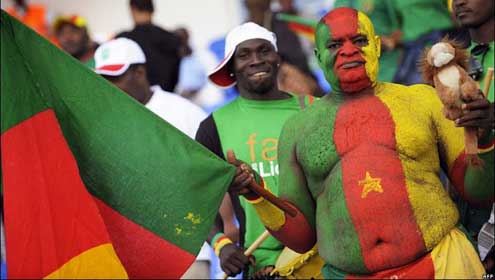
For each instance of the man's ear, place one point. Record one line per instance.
(378, 45)
(279, 59)
(318, 57)
(140, 71)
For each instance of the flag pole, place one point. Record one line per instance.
(281, 204)
(253, 246)
(488, 81)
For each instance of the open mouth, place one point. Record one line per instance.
(352, 64)
(260, 75)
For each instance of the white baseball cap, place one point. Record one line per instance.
(247, 31)
(114, 57)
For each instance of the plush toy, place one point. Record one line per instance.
(444, 65)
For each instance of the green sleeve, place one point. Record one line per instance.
(479, 182)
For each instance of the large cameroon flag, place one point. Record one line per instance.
(94, 184)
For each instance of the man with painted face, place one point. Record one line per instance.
(362, 169)
(250, 125)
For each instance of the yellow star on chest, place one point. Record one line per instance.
(370, 184)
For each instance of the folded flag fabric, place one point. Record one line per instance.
(94, 184)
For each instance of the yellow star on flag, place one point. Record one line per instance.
(370, 184)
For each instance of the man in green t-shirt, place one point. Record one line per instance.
(250, 125)
(478, 17)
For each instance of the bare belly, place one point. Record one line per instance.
(370, 225)
(366, 220)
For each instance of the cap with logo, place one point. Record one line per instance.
(247, 31)
(114, 57)
(75, 20)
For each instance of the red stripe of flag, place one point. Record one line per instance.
(365, 140)
(45, 199)
(420, 269)
(133, 245)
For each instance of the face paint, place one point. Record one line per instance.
(347, 50)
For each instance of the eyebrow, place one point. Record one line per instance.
(352, 38)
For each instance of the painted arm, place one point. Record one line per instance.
(297, 233)
(475, 185)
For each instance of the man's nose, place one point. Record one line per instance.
(349, 49)
(256, 58)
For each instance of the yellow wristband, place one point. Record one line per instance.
(220, 243)
(258, 199)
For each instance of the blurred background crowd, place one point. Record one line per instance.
(184, 40)
(189, 38)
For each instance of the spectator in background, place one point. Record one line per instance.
(386, 23)
(422, 23)
(160, 46)
(32, 15)
(73, 37)
(122, 62)
(294, 75)
(192, 74)
(478, 17)
(287, 7)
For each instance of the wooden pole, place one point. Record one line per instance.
(281, 204)
(254, 246)
(488, 81)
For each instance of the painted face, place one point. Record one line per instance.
(255, 65)
(347, 50)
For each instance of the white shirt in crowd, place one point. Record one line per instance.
(178, 111)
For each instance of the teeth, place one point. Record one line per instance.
(351, 64)
(260, 74)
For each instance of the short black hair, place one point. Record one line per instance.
(143, 5)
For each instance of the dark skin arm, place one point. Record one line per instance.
(232, 258)
(477, 113)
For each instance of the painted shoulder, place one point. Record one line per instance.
(414, 89)
(422, 96)
(310, 117)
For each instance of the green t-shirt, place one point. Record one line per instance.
(419, 17)
(251, 128)
(486, 59)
